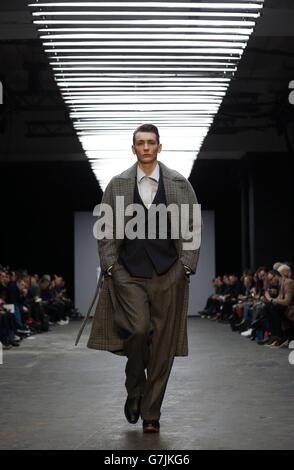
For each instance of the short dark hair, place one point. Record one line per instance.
(274, 272)
(146, 128)
(262, 268)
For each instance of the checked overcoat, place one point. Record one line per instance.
(104, 334)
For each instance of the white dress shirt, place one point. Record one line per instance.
(147, 185)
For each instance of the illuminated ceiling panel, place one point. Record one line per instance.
(122, 64)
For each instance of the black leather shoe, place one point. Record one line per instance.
(151, 425)
(132, 409)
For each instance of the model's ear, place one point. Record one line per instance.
(133, 150)
(159, 148)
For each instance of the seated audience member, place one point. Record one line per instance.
(8, 337)
(34, 288)
(3, 284)
(39, 320)
(273, 278)
(16, 295)
(52, 306)
(245, 300)
(253, 309)
(62, 296)
(24, 301)
(225, 279)
(280, 327)
(258, 326)
(262, 308)
(8, 327)
(233, 289)
(213, 303)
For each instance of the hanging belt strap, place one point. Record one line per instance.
(90, 308)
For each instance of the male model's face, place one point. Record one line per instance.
(146, 147)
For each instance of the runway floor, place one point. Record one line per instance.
(229, 393)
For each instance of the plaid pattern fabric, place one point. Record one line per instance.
(104, 335)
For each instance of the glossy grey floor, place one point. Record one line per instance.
(229, 393)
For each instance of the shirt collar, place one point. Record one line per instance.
(154, 175)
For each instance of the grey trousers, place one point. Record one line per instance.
(146, 315)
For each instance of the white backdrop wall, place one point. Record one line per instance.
(87, 263)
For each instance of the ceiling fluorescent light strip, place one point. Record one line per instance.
(180, 36)
(130, 14)
(171, 29)
(119, 64)
(143, 50)
(190, 5)
(159, 21)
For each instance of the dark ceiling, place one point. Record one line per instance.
(255, 115)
